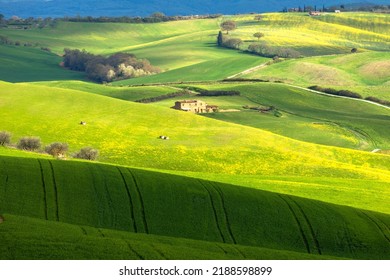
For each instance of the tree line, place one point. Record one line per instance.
(31, 22)
(107, 69)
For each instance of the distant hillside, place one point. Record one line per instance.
(59, 8)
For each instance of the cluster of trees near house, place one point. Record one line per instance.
(107, 69)
(259, 48)
(56, 149)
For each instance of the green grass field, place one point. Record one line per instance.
(146, 202)
(298, 182)
(127, 133)
(367, 73)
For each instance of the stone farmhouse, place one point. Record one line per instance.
(195, 106)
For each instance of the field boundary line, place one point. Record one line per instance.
(131, 206)
(248, 71)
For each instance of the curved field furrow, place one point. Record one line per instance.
(313, 235)
(83, 230)
(225, 216)
(213, 207)
(299, 225)
(57, 215)
(138, 199)
(380, 225)
(176, 206)
(44, 190)
(110, 203)
(140, 257)
(131, 204)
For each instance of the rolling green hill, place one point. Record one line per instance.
(127, 133)
(366, 73)
(355, 124)
(296, 181)
(191, 45)
(133, 200)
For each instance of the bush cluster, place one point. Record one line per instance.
(332, 91)
(377, 100)
(5, 138)
(163, 97)
(218, 93)
(107, 69)
(263, 49)
(56, 149)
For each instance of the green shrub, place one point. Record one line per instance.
(57, 149)
(87, 153)
(5, 138)
(29, 143)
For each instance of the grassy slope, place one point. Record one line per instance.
(366, 131)
(182, 45)
(23, 238)
(367, 73)
(190, 45)
(19, 64)
(305, 116)
(127, 133)
(318, 35)
(133, 200)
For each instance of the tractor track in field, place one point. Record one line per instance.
(239, 252)
(383, 231)
(83, 230)
(101, 233)
(214, 210)
(305, 241)
(134, 251)
(316, 242)
(218, 190)
(99, 201)
(223, 250)
(109, 199)
(131, 206)
(55, 191)
(44, 189)
(141, 201)
(163, 256)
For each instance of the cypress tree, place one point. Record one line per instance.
(220, 39)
